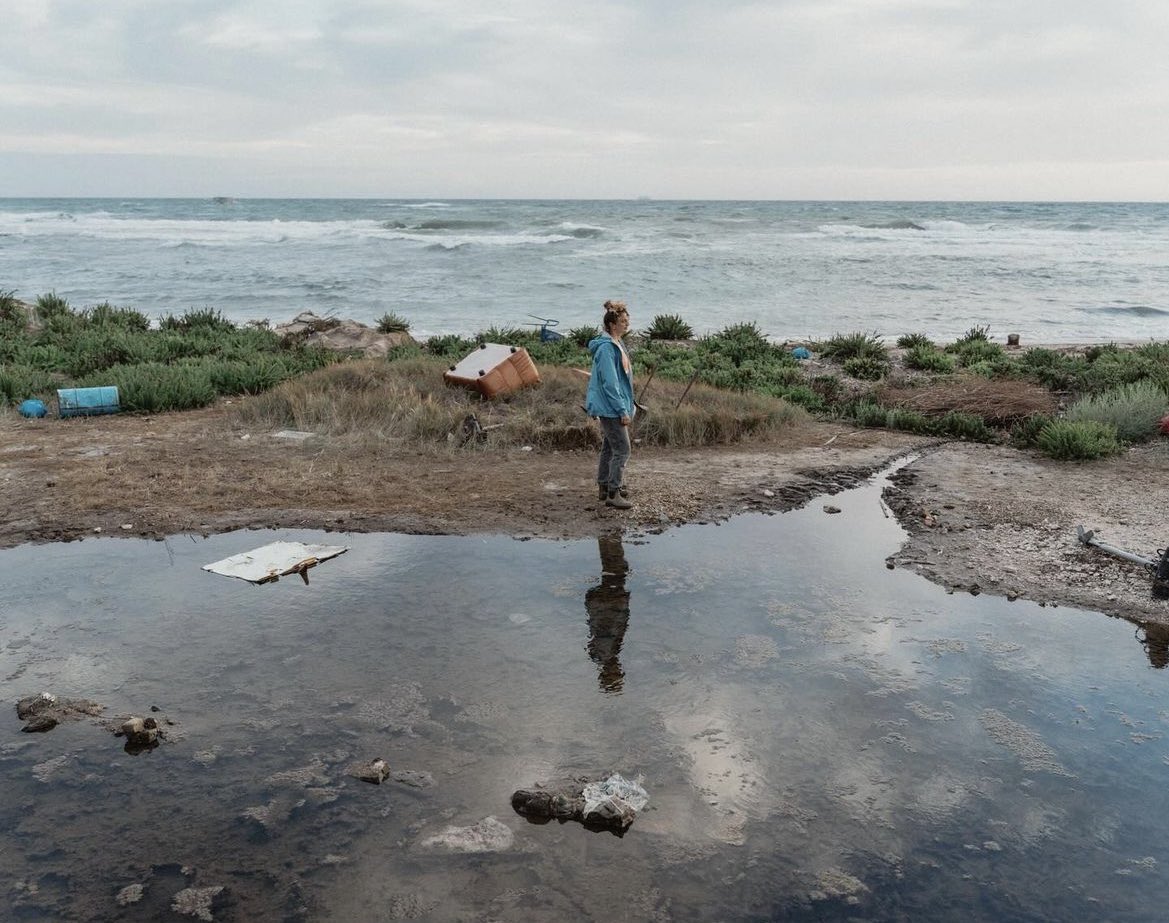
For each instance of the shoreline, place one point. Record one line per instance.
(978, 518)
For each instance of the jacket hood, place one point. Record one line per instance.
(595, 343)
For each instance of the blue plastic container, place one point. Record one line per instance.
(82, 402)
(32, 408)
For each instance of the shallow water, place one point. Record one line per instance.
(821, 738)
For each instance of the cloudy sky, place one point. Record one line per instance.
(787, 99)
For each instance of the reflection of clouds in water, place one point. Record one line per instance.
(664, 580)
(755, 650)
(1028, 746)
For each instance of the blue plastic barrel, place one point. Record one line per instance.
(32, 408)
(79, 402)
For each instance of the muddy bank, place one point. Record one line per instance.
(980, 518)
(994, 520)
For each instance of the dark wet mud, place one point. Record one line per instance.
(821, 738)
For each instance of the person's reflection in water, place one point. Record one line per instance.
(608, 607)
(1156, 643)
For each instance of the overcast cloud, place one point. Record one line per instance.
(902, 99)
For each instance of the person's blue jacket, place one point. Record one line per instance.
(610, 391)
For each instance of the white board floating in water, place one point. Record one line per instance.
(274, 561)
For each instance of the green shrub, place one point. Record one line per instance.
(910, 421)
(106, 315)
(974, 350)
(1079, 441)
(974, 335)
(582, 335)
(207, 319)
(20, 382)
(51, 305)
(738, 343)
(154, 388)
(866, 368)
(1092, 353)
(511, 336)
(251, 377)
(959, 425)
(390, 322)
(928, 359)
(914, 341)
(866, 413)
(449, 346)
(669, 327)
(13, 315)
(1025, 433)
(854, 346)
(1133, 410)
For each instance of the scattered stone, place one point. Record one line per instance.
(345, 335)
(374, 772)
(40, 724)
(837, 884)
(489, 835)
(43, 772)
(413, 778)
(831, 509)
(141, 734)
(45, 711)
(196, 902)
(131, 894)
(609, 804)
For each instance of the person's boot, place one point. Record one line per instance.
(602, 491)
(615, 500)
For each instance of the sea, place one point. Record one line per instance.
(1050, 272)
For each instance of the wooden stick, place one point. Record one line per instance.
(689, 385)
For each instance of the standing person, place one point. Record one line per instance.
(610, 400)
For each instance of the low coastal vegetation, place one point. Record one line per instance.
(724, 387)
(184, 362)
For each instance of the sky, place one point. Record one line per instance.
(789, 99)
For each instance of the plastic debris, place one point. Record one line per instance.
(271, 562)
(609, 804)
(32, 408)
(615, 799)
(802, 352)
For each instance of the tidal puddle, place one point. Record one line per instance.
(821, 738)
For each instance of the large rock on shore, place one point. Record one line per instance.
(342, 335)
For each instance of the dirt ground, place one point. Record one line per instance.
(979, 518)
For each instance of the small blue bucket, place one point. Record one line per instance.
(82, 402)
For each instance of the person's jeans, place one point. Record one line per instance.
(614, 452)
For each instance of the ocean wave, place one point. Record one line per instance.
(901, 224)
(581, 231)
(902, 229)
(1132, 310)
(456, 224)
(421, 205)
(175, 231)
(455, 242)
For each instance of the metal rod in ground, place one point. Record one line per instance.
(645, 387)
(689, 385)
(1088, 538)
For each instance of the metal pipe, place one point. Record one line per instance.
(1087, 537)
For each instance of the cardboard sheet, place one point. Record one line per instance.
(274, 561)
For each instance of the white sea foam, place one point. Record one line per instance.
(1071, 272)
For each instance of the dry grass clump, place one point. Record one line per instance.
(408, 401)
(999, 401)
